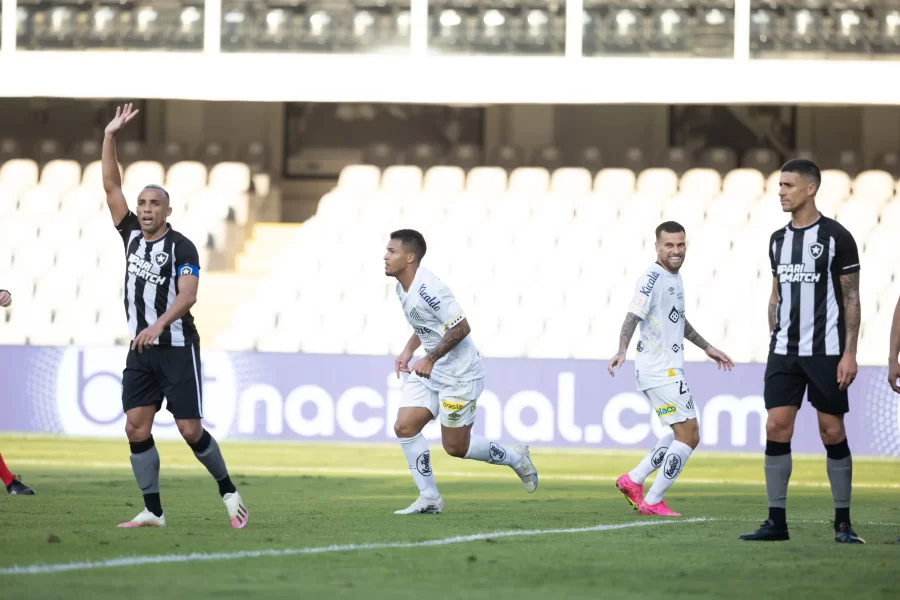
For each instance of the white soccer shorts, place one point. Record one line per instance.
(672, 402)
(454, 403)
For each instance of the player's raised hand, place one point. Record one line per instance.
(894, 375)
(723, 361)
(846, 371)
(615, 363)
(123, 115)
(5, 298)
(401, 363)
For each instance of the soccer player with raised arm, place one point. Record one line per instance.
(12, 483)
(814, 317)
(161, 280)
(658, 306)
(447, 381)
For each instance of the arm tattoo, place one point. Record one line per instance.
(691, 335)
(852, 310)
(628, 327)
(773, 317)
(450, 340)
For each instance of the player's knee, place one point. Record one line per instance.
(688, 433)
(191, 430)
(777, 430)
(135, 430)
(832, 434)
(404, 430)
(457, 449)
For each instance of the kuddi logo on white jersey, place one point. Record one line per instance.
(796, 273)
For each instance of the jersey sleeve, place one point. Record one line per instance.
(846, 254)
(772, 262)
(128, 224)
(645, 295)
(187, 260)
(446, 307)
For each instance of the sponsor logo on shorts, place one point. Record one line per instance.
(668, 409)
(658, 456)
(640, 346)
(690, 404)
(673, 467)
(423, 463)
(670, 373)
(498, 453)
(454, 406)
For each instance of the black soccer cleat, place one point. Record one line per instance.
(17, 488)
(846, 535)
(768, 532)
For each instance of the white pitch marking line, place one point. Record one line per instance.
(252, 469)
(133, 561)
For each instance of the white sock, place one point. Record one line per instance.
(652, 461)
(672, 465)
(491, 452)
(418, 456)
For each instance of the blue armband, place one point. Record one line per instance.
(189, 269)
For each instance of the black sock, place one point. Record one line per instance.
(778, 516)
(226, 487)
(151, 501)
(202, 444)
(841, 515)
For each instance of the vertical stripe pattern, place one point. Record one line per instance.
(807, 265)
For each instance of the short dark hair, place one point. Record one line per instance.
(806, 168)
(669, 227)
(153, 186)
(412, 240)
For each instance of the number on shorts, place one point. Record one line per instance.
(682, 388)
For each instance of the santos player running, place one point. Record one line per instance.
(448, 380)
(161, 282)
(658, 305)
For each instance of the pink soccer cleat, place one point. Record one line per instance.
(660, 509)
(145, 519)
(634, 492)
(237, 511)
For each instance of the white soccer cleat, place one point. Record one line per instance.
(237, 512)
(525, 470)
(146, 519)
(422, 506)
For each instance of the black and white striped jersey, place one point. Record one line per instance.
(151, 280)
(807, 264)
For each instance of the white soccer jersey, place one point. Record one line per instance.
(659, 303)
(431, 310)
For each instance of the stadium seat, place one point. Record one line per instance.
(187, 176)
(486, 180)
(61, 175)
(9, 201)
(444, 181)
(143, 173)
(663, 182)
(529, 181)
(702, 183)
(402, 179)
(875, 185)
(615, 182)
(92, 176)
(744, 182)
(17, 229)
(575, 181)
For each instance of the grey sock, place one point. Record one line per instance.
(212, 459)
(840, 474)
(778, 474)
(146, 470)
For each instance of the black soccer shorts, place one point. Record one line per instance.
(170, 372)
(789, 377)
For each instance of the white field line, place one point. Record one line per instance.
(135, 561)
(304, 470)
